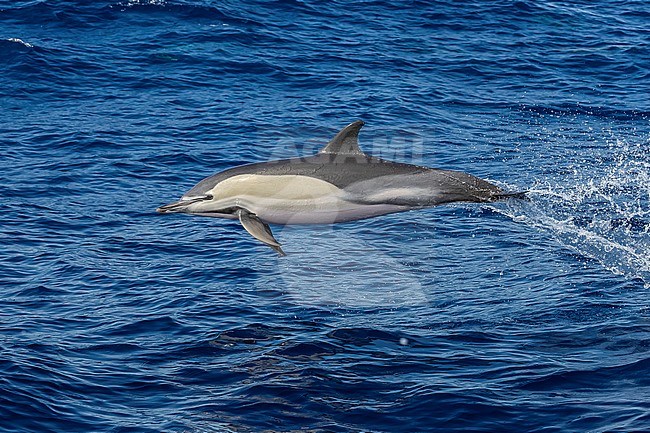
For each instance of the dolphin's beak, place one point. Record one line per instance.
(179, 206)
(171, 207)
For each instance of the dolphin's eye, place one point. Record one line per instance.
(209, 197)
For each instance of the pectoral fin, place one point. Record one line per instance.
(258, 229)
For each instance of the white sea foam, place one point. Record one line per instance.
(20, 41)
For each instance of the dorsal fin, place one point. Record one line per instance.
(346, 141)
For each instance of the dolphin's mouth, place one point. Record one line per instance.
(181, 205)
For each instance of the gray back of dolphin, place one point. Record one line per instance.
(342, 163)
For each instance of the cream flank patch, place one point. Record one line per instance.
(285, 187)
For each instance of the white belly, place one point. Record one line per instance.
(290, 199)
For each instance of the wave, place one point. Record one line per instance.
(18, 41)
(72, 15)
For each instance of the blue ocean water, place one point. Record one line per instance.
(509, 317)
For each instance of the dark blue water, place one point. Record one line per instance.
(513, 317)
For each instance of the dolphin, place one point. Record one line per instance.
(338, 184)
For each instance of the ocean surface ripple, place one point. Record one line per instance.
(524, 316)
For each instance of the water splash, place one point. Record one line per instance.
(599, 207)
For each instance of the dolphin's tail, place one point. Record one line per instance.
(455, 186)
